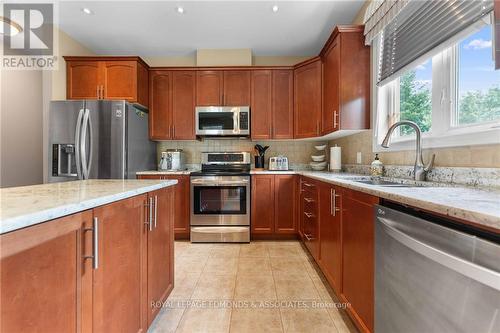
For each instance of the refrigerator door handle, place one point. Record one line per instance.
(91, 141)
(78, 128)
(83, 146)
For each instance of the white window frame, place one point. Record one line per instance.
(444, 96)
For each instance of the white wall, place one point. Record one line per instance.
(21, 135)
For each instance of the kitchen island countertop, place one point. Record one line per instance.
(29, 205)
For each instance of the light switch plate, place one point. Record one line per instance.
(358, 157)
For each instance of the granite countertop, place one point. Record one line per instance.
(28, 205)
(480, 207)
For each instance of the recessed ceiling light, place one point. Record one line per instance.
(180, 10)
(275, 8)
(87, 11)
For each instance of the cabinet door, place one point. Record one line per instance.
(44, 278)
(160, 91)
(330, 236)
(120, 80)
(182, 205)
(160, 251)
(358, 256)
(262, 204)
(82, 79)
(236, 88)
(120, 280)
(284, 203)
(282, 104)
(331, 88)
(261, 104)
(307, 95)
(209, 85)
(183, 103)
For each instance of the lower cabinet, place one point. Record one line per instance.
(95, 271)
(358, 256)
(182, 203)
(309, 215)
(44, 277)
(330, 234)
(118, 294)
(337, 228)
(160, 247)
(273, 205)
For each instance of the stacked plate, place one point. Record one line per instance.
(318, 161)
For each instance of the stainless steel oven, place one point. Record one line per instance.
(220, 198)
(222, 120)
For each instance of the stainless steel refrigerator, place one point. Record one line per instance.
(98, 139)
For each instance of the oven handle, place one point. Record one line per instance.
(219, 183)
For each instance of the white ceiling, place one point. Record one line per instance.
(154, 28)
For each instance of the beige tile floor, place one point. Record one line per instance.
(258, 287)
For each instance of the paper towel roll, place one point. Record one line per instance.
(335, 158)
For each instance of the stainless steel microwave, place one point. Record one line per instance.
(222, 120)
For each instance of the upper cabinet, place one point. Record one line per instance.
(107, 78)
(236, 88)
(209, 86)
(219, 87)
(272, 104)
(307, 99)
(172, 96)
(346, 81)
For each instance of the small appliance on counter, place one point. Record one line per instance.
(278, 163)
(172, 160)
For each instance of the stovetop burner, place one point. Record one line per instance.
(224, 164)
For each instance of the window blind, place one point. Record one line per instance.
(420, 27)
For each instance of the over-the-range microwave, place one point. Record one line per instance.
(222, 121)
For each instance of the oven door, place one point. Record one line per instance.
(220, 200)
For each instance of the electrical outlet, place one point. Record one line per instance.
(358, 157)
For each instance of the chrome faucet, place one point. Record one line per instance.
(419, 170)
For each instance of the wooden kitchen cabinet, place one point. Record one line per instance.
(209, 87)
(160, 107)
(182, 203)
(223, 87)
(282, 104)
(272, 104)
(358, 256)
(261, 104)
(285, 189)
(236, 88)
(307, 99)
(107, 78)
(330, 234)
(346, 81)
(274, 206)
(172, 98)
(262, 215)
(45, 277)
(160, 251)
(119, 298)
(309, 215)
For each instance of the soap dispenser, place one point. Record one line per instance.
(377, 168)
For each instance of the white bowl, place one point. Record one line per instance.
(316, 168)
(317, 165)
(320, 147)
(318, 158)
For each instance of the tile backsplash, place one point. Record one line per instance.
(298, 152)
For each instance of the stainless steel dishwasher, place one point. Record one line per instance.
(434, 276)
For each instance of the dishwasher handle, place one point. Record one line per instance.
(473, 271)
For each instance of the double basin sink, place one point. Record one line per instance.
(387, 182)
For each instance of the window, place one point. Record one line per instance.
(415, 88)
(478, 86)
(454, 96)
